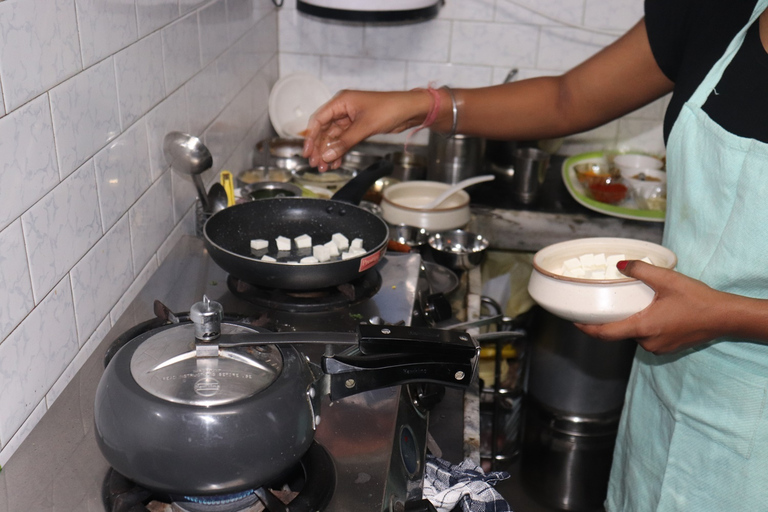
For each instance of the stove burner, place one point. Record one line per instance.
(308, 488)
(307, 301)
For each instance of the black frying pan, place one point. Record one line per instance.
(228, 235)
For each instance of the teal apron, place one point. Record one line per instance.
(694, 434)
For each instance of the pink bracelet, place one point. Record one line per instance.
(431, 115)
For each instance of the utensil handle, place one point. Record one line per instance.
(350, 375)
(354, 190)
(400, 339)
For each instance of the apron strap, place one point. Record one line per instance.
(701, 94)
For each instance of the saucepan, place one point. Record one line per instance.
(228, 235)
(205, 407)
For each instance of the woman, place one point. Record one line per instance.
(694, 433)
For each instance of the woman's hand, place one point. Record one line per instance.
(684, 312)
(352, 116)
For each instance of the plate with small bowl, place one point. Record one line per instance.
(625, 209)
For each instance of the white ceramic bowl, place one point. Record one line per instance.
(592, 301)
(627, 162)
(650, 193)
(399, 205)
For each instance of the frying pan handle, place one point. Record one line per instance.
(354, 374)
(354, 190)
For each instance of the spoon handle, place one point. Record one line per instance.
(455, 188)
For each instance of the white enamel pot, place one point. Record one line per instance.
(400, 205)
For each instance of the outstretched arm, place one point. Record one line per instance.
(619, 79)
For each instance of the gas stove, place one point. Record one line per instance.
(369, 450)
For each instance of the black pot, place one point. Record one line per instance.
(185, 416)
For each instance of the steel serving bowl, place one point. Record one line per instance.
(458, 249)
(593, 301)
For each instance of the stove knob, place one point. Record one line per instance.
(437, 308)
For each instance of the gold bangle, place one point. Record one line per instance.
(455, 110)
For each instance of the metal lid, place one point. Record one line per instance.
(166, 365)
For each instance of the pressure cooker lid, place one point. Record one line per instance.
(167, 366)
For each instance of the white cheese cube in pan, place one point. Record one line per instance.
(309, 259)
(259, 244)
(341, 241)
(283, 243)
(268, 259)
(333, 249)
(346, 255)
(321, 252)
(291, 262)
(303, 241)
(356, 244)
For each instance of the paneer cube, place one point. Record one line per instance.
(309, 260)
(303, 241)
(357, 243)
(333, 249)
(259, 244)
(283, 243)
(321, 252)
(268, 259)
(341, 241)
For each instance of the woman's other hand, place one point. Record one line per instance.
(684, 312)
(352, 116)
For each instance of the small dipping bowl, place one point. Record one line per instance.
(649, 188)
(269, 189)
(262, 173)
(411, 236)
(458, 249)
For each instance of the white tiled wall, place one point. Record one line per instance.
(472, 43)
(88, 207)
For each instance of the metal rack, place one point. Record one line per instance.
(504, 397)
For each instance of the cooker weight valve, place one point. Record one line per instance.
(206, 317)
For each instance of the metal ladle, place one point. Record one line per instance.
(188, 155)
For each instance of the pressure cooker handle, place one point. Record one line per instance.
(393, 339)
(352, 374)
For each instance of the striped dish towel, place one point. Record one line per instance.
(466, 485)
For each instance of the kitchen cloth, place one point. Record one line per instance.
(446, 486)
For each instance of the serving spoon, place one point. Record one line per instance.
(455, 188)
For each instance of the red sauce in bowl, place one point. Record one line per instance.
(610, 193)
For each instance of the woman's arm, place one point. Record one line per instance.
(619, 79)
(684, 313)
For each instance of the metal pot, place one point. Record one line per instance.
(452, 160)
(279, 152)
(408, 166)
(399, 205)
(214, 408)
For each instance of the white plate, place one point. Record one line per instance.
(627, 209)
(292, 100)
